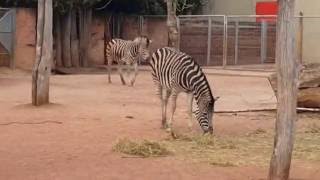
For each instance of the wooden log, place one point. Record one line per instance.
(85, 19)
(309, 98)
(309, 83)
(309, 76)
(74, 40)
(42, 67)
(287, 75)
(57, 38)
(66, 41)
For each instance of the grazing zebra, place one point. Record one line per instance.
(174, 72)
(126, 53)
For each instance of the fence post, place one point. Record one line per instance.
(300, 38)
(264, 41)
(13, 32)
(236, 43)
(225, 41)
(209, 40)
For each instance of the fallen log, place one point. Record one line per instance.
(309, 86)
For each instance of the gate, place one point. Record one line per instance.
(7, 34)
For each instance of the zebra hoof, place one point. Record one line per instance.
(174, 135)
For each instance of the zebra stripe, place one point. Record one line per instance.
(174, 72)
(126, 52)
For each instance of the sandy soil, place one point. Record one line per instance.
(72, 138)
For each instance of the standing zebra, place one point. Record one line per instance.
(126, 52)
(174, 72)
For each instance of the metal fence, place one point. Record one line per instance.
(221, 40)
(230, 40)
(7, 33)
(246, 39)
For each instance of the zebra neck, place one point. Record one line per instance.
(203, 95)
(135, 48)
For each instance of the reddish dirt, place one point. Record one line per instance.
(72, 138)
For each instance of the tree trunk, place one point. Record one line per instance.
(41, 70)
(287, 71)
(173, 33)
(66, 43)
(57, 37)
(85, 18)
(74, 40)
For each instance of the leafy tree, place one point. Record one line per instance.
(152, 7)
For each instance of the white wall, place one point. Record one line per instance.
(311, 29)
(235, 7)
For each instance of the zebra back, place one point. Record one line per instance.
(177, 71)
(127, 51)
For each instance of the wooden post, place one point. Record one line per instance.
(225, 42)
(300, 38)
(66, 39)
(209, 40)
(264, 42)
(287, 73)
(58, 38)
(172, 24)
(41, 70)
(236, 43)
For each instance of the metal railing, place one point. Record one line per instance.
(7, 33)
(261, 26)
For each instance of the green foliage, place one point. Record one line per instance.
(150, 7)
(153, 7)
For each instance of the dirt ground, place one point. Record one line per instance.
(72, 138)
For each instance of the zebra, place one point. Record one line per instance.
(126, 53)
(174, 72)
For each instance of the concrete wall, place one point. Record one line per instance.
(96, 50)
(25, 51)
(154, 28)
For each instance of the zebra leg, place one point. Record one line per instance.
(135, 71)
(109, 69)
(190, 101)
(121, 74)
(173, 100)
(164, 95)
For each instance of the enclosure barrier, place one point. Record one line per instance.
(7, 33)
(225, 40)
(246, 39)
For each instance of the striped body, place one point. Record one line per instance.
(126, 53)
(174, 72)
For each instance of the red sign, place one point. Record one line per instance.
(267, 8)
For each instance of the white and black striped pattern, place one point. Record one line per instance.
(126, 53)
(174, 72)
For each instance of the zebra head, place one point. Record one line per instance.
(204, 115)
(144, 43)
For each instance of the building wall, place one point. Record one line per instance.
(235, 7)
(311, 29)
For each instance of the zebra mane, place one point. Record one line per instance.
(142, 40)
